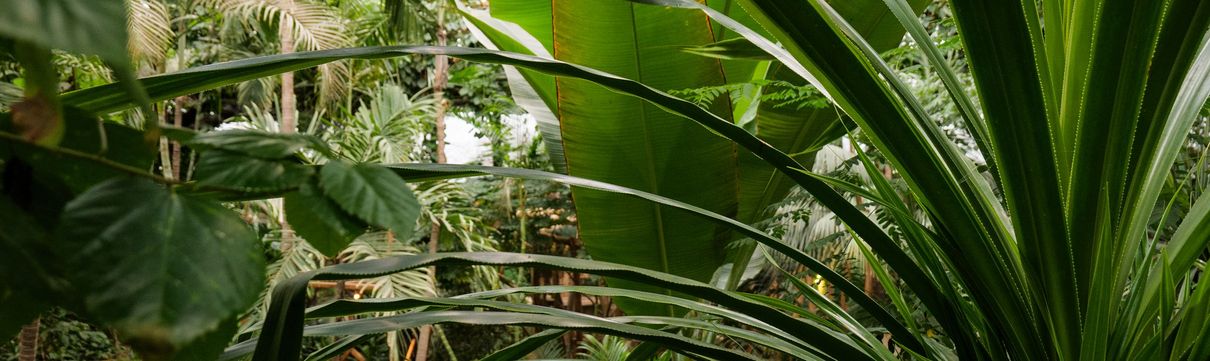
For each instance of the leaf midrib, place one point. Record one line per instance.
(650, 163)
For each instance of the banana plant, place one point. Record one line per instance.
(708, 172)
(1082, 108)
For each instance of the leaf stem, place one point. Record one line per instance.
(90, 157)
(13, 138)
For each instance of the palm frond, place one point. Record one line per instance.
(315, 27)
(150, 28)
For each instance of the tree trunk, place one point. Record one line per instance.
(177, 114)
(166, 162)
(178, 102)
(28, 346)
(524, 215)
(286, 35)
(286, 117)
(440, 77)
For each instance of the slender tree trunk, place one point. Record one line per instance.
(286, 117)
(166, 162)
(286, 35)
(28, 341)
(440, 77)
(178, 102)
(869, 279)
(177, 114)
(524, 215)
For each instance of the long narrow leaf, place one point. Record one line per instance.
(103, 99)
(281, 335)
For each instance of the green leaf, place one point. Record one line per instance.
(736, 315)
(81, 26)
(335, 349)
(238, 171)
(1193, 323)
(569, 322)
(90, 136)
(966, 107)
(17, 309)
(162, 268)
(258, 144)
(531, 90)
(282, 332)
(180, 134)
(644, 351)
(26, 261)
(1108, 66)
(1191, 238)
(1156, 121)
(535, 17)
(78, 26)
(520, 349)
(1166, 139)
(220, 74)
(320, 221)
(1176, 92)
(210, 345)
(792, 131)
(372, 193)
(833, 311)
(730, 49)
(604, 131)
(832, 276)
(23, 279)
(722, 330)
(977, 240)
(1027, 141)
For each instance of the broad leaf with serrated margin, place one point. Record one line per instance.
(257, 144)
(238, 171)
(162, 268)
(372, 193)
(89, 135)
(320, 221)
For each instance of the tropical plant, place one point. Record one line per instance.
(301, 24)
(1083, 107)
(386, 129)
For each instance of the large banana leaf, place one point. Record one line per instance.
(618, 139)
(791, 130)
(598, 128)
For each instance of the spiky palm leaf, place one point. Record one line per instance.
(150, 28)
(415, 283)
(315, 27)
(447, 205)
(387, 129)
(604, 348)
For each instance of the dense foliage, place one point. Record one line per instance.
(753, 179)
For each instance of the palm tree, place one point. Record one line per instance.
(1079, 119)
(300, 24)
